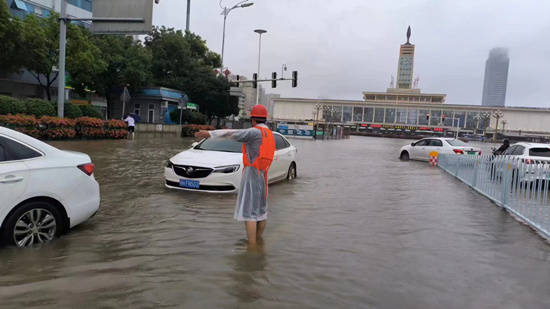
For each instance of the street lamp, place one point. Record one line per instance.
(225, 12)
(260, 32)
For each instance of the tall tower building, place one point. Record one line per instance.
(496, 77)
(406, 64)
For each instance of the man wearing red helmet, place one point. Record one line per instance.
(258, 151)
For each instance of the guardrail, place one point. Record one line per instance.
(520, 186)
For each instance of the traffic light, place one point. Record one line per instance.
(255, 82)
(238, 77)
(294, 79)
(443, 117)
(427, 117)
(274, 80)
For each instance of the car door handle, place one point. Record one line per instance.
(11, 179)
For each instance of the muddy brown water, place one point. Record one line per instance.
(358, 228)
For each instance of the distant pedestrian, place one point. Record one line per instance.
(131, 125)
(505, 145)
(258, 151)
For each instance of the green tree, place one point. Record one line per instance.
(184, 62)
(10, 36)
(40, 36)
(128, 63)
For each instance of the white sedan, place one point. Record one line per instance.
(215, 165)
(421, 149)
(44, 190)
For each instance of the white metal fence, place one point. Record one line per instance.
(520, 186)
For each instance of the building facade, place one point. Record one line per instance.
(496, 78)
(151, 104)
(411, 118)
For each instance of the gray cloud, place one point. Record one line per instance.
(342, 48)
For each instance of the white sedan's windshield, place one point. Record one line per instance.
(220, 145)
(455, 142)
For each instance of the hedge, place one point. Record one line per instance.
(54, 128)
(39, 108)
(90, 111)
(190, 129)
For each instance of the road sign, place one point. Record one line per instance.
(120, 10)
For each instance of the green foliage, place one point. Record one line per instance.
(40, 37)
(184, 62)
(127, 63)
(72, 111)
(90, 111)
(9, 105)
(188, 116)
(10, 36)
(39, 108)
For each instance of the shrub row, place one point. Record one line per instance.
(190, 129)
(52, 128)
(39, 108)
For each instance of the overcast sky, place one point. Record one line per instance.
(344, 47)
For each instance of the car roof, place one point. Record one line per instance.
(532, 145)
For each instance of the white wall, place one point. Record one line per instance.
(293, 110)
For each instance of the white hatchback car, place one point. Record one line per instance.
(44, 190)
(534, 156)
(421, 149)
(215, 166)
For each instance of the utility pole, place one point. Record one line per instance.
(188, 15)
(62, 47)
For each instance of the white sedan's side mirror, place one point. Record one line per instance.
(194, 144)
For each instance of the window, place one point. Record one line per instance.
(423, 142)
(357, 114)
(280, 142)
(347, 113)
(401, 116)
(435, 117)
(412, 117)
(11, 150)
(423, 117)
(390, 115)
(510, 150)
(455, 142)
(540, 152)
(369, 114)
(436, 143)
(136, 109)
(518, 151)
(379, 114)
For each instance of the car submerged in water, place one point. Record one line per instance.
(420, 150)
(216, 165)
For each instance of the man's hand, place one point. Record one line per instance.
(202, 134)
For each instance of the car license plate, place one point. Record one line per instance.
(189, 184)
(472, 152)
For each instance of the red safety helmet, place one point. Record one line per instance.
(258, 111)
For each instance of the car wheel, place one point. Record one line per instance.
(404, 156)
(33, 223)
(292, 174)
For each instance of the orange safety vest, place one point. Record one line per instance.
(265, 157)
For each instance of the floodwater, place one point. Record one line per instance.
(358, 228)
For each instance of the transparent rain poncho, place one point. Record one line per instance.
(252, 197)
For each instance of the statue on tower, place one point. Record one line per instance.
(408, 34)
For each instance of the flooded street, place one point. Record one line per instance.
(358, 228)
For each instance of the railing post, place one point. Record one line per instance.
(476, 167)
(507, 170)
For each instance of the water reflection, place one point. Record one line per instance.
(248, 265)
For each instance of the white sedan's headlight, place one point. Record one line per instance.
(228, 169)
